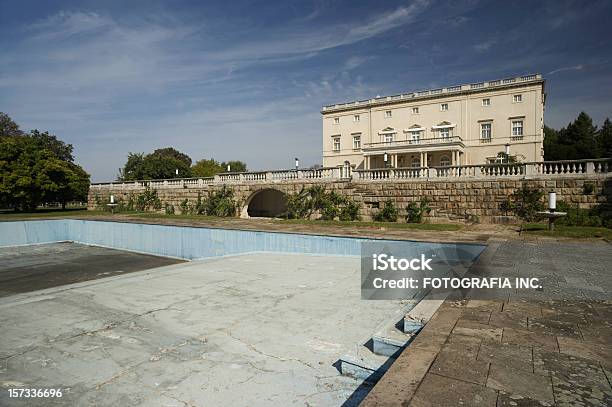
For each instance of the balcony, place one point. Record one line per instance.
(416, 144)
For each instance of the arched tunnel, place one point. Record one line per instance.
(268, 203)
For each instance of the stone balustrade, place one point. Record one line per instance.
(485, 171)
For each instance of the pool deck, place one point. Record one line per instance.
(519, 350)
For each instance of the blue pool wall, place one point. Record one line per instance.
(192, 243)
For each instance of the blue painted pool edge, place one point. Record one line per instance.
(191, 243)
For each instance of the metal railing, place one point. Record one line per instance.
(485, 171)
(414, 142)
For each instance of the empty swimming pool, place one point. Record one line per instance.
(254, 318)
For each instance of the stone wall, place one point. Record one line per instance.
(449, 199)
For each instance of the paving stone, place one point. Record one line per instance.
(489, 305)
(508, 319)
(517, 357)
(555, 327)
(513, 400)
(450, 363)
(475, 329)
(475, 315)
(446, 392)
(467, 345)
(526, 308)
(588, 350)
(576, 381)
(520, 382)
(527, 338)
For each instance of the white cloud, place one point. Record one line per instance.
(566, 68)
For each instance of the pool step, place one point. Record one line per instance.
(364, 365)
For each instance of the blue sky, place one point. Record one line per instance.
(246, 79)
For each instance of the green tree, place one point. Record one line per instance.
(31, 173)
(207, 168)
(160, 164)
(576, 141)
(604, 139)
(8, 128)
(235, 166)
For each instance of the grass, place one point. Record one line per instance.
(387, 225)
(44, 213)
(577, 232)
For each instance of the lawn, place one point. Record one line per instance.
(578, 232)
(10, 215)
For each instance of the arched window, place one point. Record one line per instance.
(445, 161)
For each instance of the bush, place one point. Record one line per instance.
(148, 199)
(388, 213)
(220, 203)
(579, 217)
(169, 209)
(525, 203)
(416, 211)
(588, 188)
(330, 205)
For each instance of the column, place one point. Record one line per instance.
(453, 161)
(367, 162)
(421, 160)
(425, 159)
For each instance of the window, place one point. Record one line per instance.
(517, 127)
(336, 144)
(356, 142)
(415, 110)
(388, 137)
(486, 102)
(445, 161)
(387, 113)
(517, 98)
(416, 163)
(415, 137)
(485, 131)
(443, 107)
(336, 120)
(356, 118)
(445, 132)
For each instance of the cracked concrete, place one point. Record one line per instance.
(259, 329)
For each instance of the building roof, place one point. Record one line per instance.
(433, 93)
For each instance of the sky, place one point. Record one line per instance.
(246, 80)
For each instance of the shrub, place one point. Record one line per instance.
(416, 211)
(579, 217)
(330, 205)
(588, 188)
(525, 203)
(388, 213)
(169, 209)
(350, 211)
(220, 203)
(147, 199)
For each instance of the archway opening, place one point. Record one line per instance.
(268, 203)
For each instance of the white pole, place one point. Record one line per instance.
(552, 201)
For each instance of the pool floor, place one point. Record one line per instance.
(252, 329)
(36, 267)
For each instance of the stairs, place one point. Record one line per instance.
(370, 361)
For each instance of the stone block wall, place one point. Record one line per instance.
(463, 199)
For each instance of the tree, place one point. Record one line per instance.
(160, 164)
(48, 141)
(604, 139)
(576, 141)
(207, 168)
(235, 166)
(8, 128)
(31, 174)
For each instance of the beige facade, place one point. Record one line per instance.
(457, 125)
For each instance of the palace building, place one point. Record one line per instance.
(477, 123)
